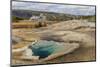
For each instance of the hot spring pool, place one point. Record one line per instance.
(45, 48)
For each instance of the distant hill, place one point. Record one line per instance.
(51, 16)
(26, 14)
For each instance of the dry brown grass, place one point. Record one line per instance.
(28, 24)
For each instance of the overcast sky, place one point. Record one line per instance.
(59, 8)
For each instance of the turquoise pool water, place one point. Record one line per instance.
(45, 48)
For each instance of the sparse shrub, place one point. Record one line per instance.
(16, 19)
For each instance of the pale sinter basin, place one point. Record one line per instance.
(47, 50)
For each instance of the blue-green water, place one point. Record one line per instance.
(44, 48)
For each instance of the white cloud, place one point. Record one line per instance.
(60, 8)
